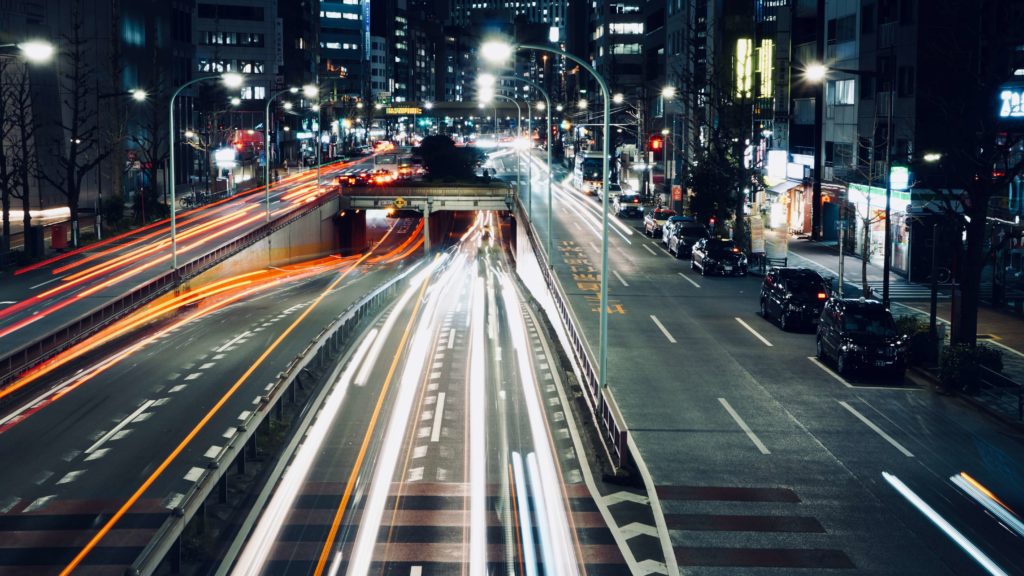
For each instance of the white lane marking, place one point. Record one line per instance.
(2, 302)
(173, 500)
(416, 571)
(97, 454)
(877, 430)
(193, 376)
(119, 426)
(232, 341)
(44, 283)
(435, 432)
(687, 278)
(177, 388)
(70, 477)
(207, 366)
(8, 504)
(195, 474)
(754, 332)
(624, 283)
(830, 372)
(244, 414)
(213, 451)
(230, 432)
(750, 433)
(39, 503)
(451, 339)
(648, 248)
(663, 329)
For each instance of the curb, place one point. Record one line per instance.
(930, 378)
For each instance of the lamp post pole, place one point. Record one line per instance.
(547, 108)
(170, 176)
(519, 121)
(266, 145)
(887, 249)
(606, 138)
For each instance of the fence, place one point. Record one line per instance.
(1002, 392)
(614, 434)
(321, 349)
(15, 362)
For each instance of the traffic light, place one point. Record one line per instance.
(656, 144)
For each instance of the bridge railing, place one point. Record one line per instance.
(15, 362)
(601, 402)
(321, 349)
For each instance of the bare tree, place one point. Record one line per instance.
(21, 147)
(81, 150)
(7, 121)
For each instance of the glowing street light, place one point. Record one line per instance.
(815, 72)
(139, 95)
(668, 92)
(230, 80)
(618, 98)
(37, 51)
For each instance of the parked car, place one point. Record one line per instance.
(718, 255)
(684, 236)
(655, 219)
(861, 333)
(793, 296)
(670, 225)
(627, 206)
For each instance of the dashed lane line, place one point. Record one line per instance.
(688, 279)
(663, 329)
(743, 425)
(877, 430)
(127, 420)
(648, 248)
(754, 332)
(624, 283)
(435, 432)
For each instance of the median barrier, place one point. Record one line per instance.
(321, 348)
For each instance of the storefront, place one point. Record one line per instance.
(868, 205)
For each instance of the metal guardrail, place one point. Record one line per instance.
(321, 348)
(15, 362)
(1000, 385)
(604, 409)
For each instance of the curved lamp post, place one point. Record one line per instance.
(230, 80)
(547, 108)
(519, 128)
(497, 51)
(266, 142)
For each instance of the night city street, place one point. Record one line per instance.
(447, 287)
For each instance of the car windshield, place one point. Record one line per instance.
(663, 214)
(721, 246)
(870, 323)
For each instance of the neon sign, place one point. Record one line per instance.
(1012, 103)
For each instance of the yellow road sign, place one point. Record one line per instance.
(399, 202)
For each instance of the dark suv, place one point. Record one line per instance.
(859, 333)
(793, 296)
(718, 256)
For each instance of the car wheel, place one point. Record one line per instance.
(784, 322)
(819, 349)
(842, 365)
(764, 310)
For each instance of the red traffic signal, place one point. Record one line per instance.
(655, 144)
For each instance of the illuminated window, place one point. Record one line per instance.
(626, 28)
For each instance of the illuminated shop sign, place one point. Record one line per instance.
(1011, 103)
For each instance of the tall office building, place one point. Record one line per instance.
(240, 36)
(344, 47)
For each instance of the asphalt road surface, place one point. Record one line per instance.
(443, 448)
(765, 460)
(105, 430)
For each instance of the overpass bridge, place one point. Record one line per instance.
(432, 200)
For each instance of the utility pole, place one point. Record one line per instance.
(819, 125)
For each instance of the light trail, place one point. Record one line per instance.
(980, 557)
(989, 501)
(477, 385)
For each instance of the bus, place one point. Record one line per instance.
(586, 175)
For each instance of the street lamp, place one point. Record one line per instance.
(266, 140)
(35, 51)
(139, 95)
(230, 80)
(818, 73)
(499, 51)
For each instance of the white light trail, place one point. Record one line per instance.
(525, 524)
(477, 385)
(943, 525)
(989, 501)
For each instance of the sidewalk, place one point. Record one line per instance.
(997, 328)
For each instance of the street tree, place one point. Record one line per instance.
(980, 157)
(7, 122)
(150, 142)
(21, 148)
(443, 160)
(82, 147)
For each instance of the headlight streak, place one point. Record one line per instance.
(260, 542)
(477, 386)
(526, 525)
(989, 501)
(548, 495)
(586, 204)
(416, 363)
(980, 557)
